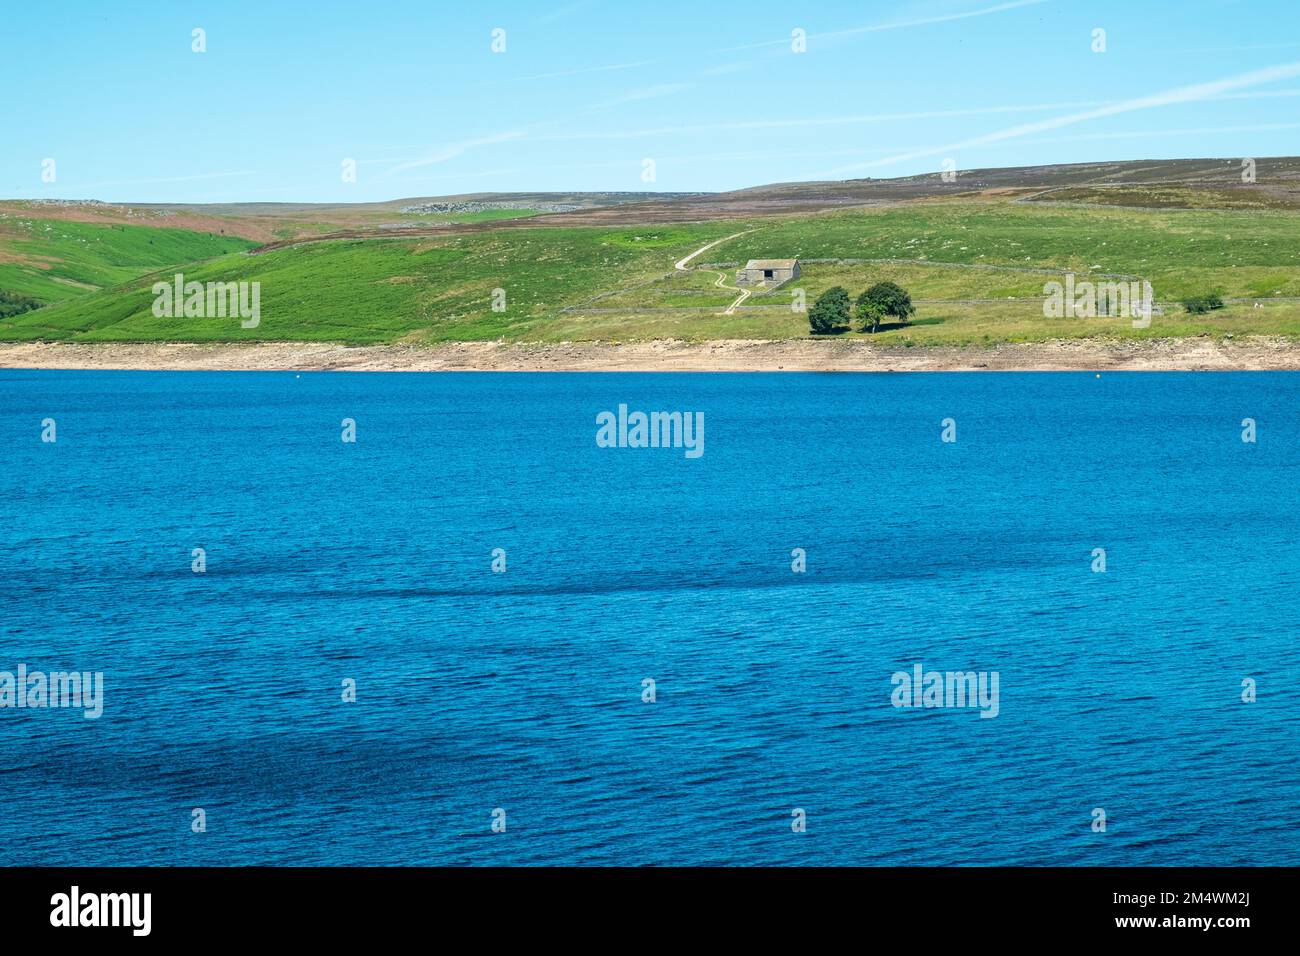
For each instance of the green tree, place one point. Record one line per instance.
(884, 298)
(830, 313)
(869, 314)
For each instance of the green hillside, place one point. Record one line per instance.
(975, 268)
(53, 260)
(385, 290)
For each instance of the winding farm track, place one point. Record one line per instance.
(744, 293)
(681, 265)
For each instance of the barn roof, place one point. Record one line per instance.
(771, 263)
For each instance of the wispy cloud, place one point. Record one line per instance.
(1091, 108)
(166, 179)
(1257, 95)
(723, 69)
(1227, 49)
(452, 151)
(893, 25)
(809, 122)
(609, 68)
(560, 13)
(1145, 133)
(1183, 94)
(731, 68)
(644, 93)
(455, 177)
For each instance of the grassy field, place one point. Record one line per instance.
(976, 270)
(389, 290)
(54, 260)
(1178, 251)
(1175, 196)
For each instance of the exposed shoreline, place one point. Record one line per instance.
(731, 355)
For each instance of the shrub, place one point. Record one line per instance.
(13, 303)
(1200, 304)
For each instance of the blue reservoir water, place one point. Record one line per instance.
(371, 562)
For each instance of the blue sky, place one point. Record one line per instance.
(587, 90)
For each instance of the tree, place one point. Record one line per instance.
(830, 313)
(869, 314)
(887, 299)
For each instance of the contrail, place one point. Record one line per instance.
(898, 25)
(1182, 94)
(849, 31)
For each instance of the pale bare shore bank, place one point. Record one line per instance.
(732, 355)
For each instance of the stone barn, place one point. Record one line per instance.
(768, 272)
